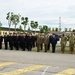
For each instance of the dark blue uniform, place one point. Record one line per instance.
(1, 40)
(54, 38)
(6, 41)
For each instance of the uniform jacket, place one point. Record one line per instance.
(46, 40)
(54, 40)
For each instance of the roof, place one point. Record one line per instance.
(6, 29)
(12, 29)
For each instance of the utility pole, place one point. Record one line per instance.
(59, 23)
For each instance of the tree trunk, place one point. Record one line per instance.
(15, 28)
(24, 28)
(32, 29)
(9, 28)
(35, 30)
(9, 23)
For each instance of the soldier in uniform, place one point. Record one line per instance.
(24, 39)
(20, 40)
(17, 41)
(14, 40)
(49, 36)
(10, 39)
(38, 42)
(29, 42)
(71, 43)
(42, 41)
(6, 41)
(63, 43)
(33, 40)
(46, 42)
(1, 40)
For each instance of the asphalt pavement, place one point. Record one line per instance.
(36, 63)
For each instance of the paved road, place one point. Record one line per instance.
(36, 63)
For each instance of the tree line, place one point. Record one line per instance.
(15, 19)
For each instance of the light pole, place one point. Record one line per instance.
(59, 23)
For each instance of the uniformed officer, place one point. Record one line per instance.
(54, 39)
(20, 40)
(14, 39)
(71, 43)
(38, 42)
(29, 42)
(10, 39)
(42, 41)
(46, 41)
(33, 40)
(63, 42)
(49, 36)
(1, 40)
(6, 41)
(24, 39)
(17, 41)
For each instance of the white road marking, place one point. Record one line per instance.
(45, 70)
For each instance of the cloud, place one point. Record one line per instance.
(45, 12)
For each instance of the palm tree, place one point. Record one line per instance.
(66, 29)
(20, 28)
(29, 30)
(15, 19)
(45, 27)
(35, 25)
(0, 25)
(32, 24)
(24, 22)
(56, 29)
(52, 29)
(70, 29)
(41, 29)
(73, 30)
(8, 17)
(49, 29)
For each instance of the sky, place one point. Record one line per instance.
(46, 12)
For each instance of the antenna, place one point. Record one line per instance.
(59, 23)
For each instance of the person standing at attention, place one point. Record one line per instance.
(54, 39)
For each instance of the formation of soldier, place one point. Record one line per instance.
(26, 41)
(18, 41)
(71, 40)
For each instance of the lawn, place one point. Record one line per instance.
(58, 49)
